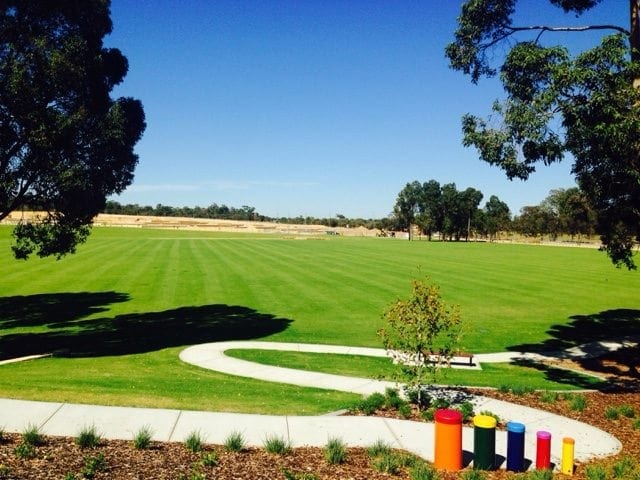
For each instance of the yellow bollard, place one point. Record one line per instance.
(567, 455)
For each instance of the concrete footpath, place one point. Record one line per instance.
(174, 425)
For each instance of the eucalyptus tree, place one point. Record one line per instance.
(585, 106)
(65, 144)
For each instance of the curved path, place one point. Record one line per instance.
(174, 425)
(416, 437)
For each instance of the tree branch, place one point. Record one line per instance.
(584, 28)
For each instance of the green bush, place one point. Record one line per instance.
(392, 398)
(466, 409)
(88, 437)
(422, 401)
(636, 424)
(387, 463)
(521, 390)
(234, 442)
(549, 397)
(504, 389)
(210, 459)
(623, 467)
(627, 410)
(441, 402)
(142, 438)
(404, 410)
(194, 442)
(25, 451)
(335, 452)
(32, 436)
(473, 475)
(93, 465)
(429, 414)
(423, 471)
(595, 472)
(70, 476)
(277, 445)
(578, 403)
(490, 414)
(370, 404)
(611, 413)
(289, 475)
(540, 475)
(379, 447)
(5, 472)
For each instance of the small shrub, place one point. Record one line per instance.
(423, 471)
(276, 445)
(549, 397)
(234, 442)
(623, 467)
(142, 438)
(490, 414)
(578, 403)
(289, 475)
(335, 452)
(540, 475)
(210, 459)
(373, 402)
(379, 447)
(429, 414)
(32, 436)
(595, 472)
(611, 413)
(473, 475)
(70, 476)
(5, 472)
(422, 401)
(625, 410)
(636, 424)
(387, 463)
(441, 402)
(88, 437)
(1, 435)
(504, 389)
(194, 442)
(392, 398)
(521, 390)
(404, 410)
(93, 465)
(25, 451)
(466, 409)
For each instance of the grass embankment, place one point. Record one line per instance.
(131, 296)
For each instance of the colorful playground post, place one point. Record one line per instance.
(515, 446)
(448, 440)
(568, 444)
(543, 450)
(484, 442)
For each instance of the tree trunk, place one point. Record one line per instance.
(634, 15)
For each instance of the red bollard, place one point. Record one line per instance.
(543, 450)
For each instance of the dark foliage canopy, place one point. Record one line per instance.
(65, 144)
(587, 106)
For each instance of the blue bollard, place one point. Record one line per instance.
(515, 447)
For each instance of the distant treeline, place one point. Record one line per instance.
(215, 211)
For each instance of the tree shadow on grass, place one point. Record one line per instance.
(593, 333)
(125, 334)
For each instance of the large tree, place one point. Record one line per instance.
(65, 144)
(556, 104)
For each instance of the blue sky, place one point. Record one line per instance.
(311, 107)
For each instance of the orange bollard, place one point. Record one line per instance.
(448, 441)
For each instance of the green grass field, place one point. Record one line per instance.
(131, 296)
